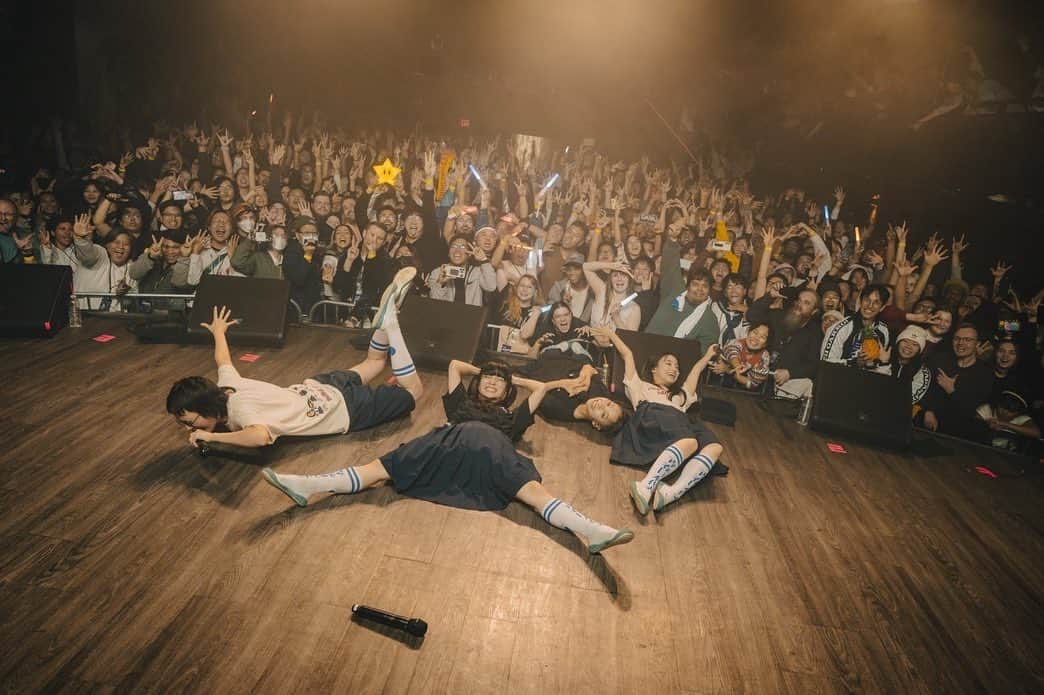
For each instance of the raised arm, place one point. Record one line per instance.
(218, 326)
(768, 235)
(597, 283)
(697, 369)
(457, 371)
(630, 371)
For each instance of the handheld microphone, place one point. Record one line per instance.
(203, 448)
(412, 626)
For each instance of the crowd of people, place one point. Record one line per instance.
(564, 245)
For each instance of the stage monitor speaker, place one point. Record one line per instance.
(260, 305)
(34, 299)
(648, 345)
(865, 405)
(437, 331)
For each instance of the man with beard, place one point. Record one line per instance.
(10, 243)
(212, 252)
(795, 339)
(321, 207)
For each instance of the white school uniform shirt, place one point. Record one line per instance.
(301, 410)
(638, 391)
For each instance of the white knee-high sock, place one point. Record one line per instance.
(398, 353)
(379, 340)
(665, 464)
(344, 481)
(561, 515)
(695, 470)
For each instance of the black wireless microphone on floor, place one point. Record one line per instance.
(413, 626)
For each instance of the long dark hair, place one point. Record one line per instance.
(650, 364)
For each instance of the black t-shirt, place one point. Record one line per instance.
(557, 403)
(459, 408)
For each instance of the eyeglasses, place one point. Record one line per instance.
(462, 247)
(190, 425)
(963, 340)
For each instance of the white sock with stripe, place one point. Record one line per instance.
(379, 340)
(665, 464)
(695, 470)
(343, 482)
(401, 360)
(561, 515)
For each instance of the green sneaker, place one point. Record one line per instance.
(619, 538)
(396, 292)
(272, 479)
(636, 496)
(659, 501)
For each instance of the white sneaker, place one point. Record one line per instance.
(395, 292)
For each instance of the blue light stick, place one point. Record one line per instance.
(550, 182)
(475, 173)
(826, 213)
(630, 299)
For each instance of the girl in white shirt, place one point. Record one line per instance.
(660, 433)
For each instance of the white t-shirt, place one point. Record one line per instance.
(306, 409)
(578, 300)
(638, 391)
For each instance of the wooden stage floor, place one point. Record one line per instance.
(128, 563)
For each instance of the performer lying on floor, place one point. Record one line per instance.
(469, 463)
(583, 398)
(659, 432)
(255, 413)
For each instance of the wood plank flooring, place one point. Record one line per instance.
(129, 564)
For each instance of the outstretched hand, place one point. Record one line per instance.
(221, 322)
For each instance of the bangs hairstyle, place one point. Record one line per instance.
(198, 394)
(493, 368)
(647, 372)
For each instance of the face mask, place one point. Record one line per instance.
(246, 225)
(309, 238)
(278, 243)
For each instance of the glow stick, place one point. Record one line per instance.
(475, 173)
(826, 213)
(545, 309)
(857, 236)
(550, 182)
(630, 299)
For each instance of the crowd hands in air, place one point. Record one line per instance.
(778, 281)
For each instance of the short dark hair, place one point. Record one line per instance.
(198, 394)
(966, 324)
(882, 291)
(736, 279)
(699, 273)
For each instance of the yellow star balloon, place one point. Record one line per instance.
(386, 172)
